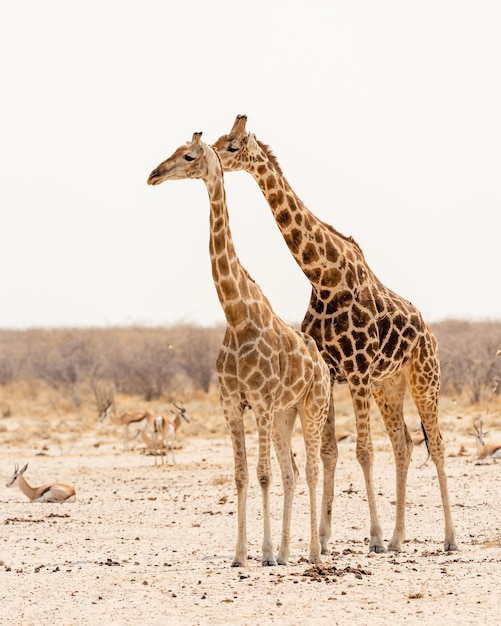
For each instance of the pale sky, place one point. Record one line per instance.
(384, 115)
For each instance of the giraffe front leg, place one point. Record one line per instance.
(240, 559)
(268, 558)
(312, 480)
(402, 448)
(264, 478)
(365, 456)
(389, 396)
(241, 482)
(282, 434)
(376, 544)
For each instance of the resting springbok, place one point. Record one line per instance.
(485, 450)
(344, 435)
(51, 492)
(126, 418)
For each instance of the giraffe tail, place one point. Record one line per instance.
(426, 442)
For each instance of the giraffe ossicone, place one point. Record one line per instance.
(371, 338)
(263, 363)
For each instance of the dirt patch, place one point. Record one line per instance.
(155, 544)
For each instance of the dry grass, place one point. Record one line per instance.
(35, 411)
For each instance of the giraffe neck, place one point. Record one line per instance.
(233, 284)
(314, 244)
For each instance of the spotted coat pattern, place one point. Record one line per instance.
(263, 364)
(371, 338)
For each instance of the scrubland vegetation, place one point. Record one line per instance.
(72, 371)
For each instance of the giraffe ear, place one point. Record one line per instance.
(252, 141)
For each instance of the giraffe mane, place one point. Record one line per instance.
(269, 153)
(273, 159)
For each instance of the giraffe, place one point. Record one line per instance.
(263, 364)
(372, 339)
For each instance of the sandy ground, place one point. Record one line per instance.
(153, 545)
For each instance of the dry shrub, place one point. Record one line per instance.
(470, 359)
(53, 374)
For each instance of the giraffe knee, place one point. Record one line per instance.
(365, 457)
(241, 483)
(264, 480)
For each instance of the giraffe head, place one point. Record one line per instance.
(191, 160)
(238, 149)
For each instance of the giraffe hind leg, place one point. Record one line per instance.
(429, 417)
(329, 455)
(424, 382)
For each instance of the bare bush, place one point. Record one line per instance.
(469, 359)
(152, 362)
(199, 347)
(142, 361)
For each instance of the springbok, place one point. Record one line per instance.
(159, 434)
(485, 450)
(171, 426)
(51, 492)
(126, 418)
(344, 435)
(154, 438)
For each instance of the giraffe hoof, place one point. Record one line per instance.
(269, 563)
(237, 563)
(394, 548)
(451, 547)
(377, 549)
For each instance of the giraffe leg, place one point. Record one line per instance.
(365, 455)
(313, 417)
(282, 434)
(389, 396)
(328, 454)
(265, 426)
(437, 455)
(237, 433)
(425, 389)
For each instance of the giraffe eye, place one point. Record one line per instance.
(232, 149)
(187, 157)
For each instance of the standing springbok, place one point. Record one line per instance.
(126, 418)
(153, 435)
(51, 492)
(163, 433)
(485, 450)
(172, 426)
